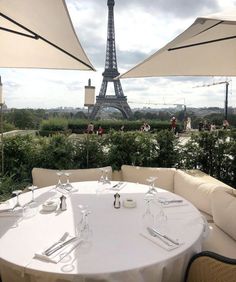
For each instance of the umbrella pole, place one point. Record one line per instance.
(226, 100)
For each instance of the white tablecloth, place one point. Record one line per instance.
(117, 253)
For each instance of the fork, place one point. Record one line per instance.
(61, 240)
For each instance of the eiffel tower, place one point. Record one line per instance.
(118, 101)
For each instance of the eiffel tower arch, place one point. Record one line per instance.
(119, 100)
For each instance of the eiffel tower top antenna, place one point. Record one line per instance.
(118, 101)
(111, 69)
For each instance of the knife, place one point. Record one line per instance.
(61, 240)
(167, 202)
(60, 246)
(117, 185)
(152, 233)
(163, 235)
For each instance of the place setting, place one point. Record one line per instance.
(155, 224)
(60, 249)
(64, 188)
(13, 207)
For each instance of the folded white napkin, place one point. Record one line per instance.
(59, 254)
(159, 241)
(118, 186)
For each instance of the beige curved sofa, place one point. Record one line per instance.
(214, 199)
(43, 177)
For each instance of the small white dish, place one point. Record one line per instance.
(129, 203)
(49, 206)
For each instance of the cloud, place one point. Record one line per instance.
(179, 9)
(141, 28)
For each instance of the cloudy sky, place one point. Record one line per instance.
(141, 28)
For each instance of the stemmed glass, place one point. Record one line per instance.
(106, 180)
(32, 188)
(17, 193)
(30, 209)
(148, 217)
(151, 180)
(160, 218)
(59, 174)
(84, 231)
(101, 183)
(101, 179)
(68, 185)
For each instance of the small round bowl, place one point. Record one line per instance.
(49, 206)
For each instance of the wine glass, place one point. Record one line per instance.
(106, 180)
(101, 179)
(68, 185)
(59, 174)
(151, 180)
(84, 231)
(32, 188)
(160, 217)
(17, 193)
(148, 217)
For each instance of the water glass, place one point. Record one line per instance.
(84, 231)
(160, 216)
(148, 216)
(151, 181)
(59, 183)
(68, 186)
(106, 180)
(101, 179)
(32, 188)
(17, 193)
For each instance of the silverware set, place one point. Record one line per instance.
(62, 242)
(118, 186)
(167, 202)
(163, 237)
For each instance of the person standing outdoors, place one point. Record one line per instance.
(173, 124)
(90, 128)
(100, 131)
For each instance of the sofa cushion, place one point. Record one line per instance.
(139, 174)
(219, 242)
(196, 190)
(43, 177)
(224, 210)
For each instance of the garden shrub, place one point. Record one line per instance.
(211, 152)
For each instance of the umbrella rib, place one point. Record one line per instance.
(19, 33)
(37, 36)
(202, 43)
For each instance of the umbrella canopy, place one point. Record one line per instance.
(206, 48)
(39, 34)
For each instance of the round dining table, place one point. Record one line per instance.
(119, 246)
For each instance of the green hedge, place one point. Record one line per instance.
(213, 153)
(79, 126)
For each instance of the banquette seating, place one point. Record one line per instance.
(214, 199)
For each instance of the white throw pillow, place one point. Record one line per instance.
(195, 190)
(224, 210)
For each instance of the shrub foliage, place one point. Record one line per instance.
(213, 153)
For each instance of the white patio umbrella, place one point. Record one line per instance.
(39, 34)
(206, 48)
